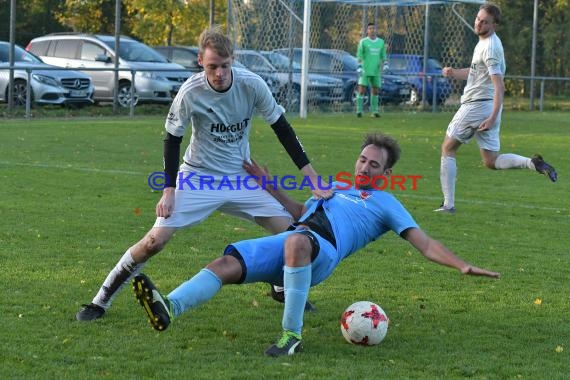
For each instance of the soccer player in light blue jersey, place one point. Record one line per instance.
(326, 232)
(218, 105)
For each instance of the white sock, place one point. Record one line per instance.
(122, 273)
(513, 161)
(278, 289)
(447, 176)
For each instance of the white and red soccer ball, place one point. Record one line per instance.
(364, 323)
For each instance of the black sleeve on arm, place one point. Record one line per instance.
(290, 142)
(171, 157)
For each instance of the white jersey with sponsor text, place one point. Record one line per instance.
(221, 121)
(488, 59)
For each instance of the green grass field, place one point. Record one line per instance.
(75, 196)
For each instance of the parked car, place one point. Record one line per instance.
(187, 56)
(343, 65)
(285, 94)
(156, 79)
(320, 88)
(412, 67)
(63, 87)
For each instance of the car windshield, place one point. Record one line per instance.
(350, 61)
(398, 64)
(434, 65)
(255, 63)
(414, 64)
(136, 52)
(20, 55)
(281, 62)
(237, 63)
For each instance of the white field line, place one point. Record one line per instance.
(70, 167)
(402, 194)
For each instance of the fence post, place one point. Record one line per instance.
(541, 94)
(29, 94)
(132, 105)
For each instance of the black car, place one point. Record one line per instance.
(320, 88)
(343, 65)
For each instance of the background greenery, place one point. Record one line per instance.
(177, 22)
(75, 196)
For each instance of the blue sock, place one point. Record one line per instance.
(297, 281)
(199, 289)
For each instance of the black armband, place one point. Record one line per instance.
(290, 142)
(171, 158)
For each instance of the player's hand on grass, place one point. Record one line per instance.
(475, 271)
(165, 205)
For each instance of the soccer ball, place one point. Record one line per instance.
(364, 323)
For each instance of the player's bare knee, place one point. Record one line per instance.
(228, 269)
(298, 250)
(153, 243)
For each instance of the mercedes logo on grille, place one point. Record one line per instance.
(77, 84)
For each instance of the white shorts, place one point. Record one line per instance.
(198, 195)
(463, 126)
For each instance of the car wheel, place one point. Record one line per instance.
(124, 95)
(19, 93)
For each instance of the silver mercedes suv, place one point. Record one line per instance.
(156, 79)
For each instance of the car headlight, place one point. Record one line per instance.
(46, 80)
(151, 75)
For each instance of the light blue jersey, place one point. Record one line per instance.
(357, 218)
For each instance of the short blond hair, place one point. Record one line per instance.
(213, 38)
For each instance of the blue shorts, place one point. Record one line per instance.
(264, 258)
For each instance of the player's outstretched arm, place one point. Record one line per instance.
(435, 251)
(293, 147)
(296, 209)
(321, 188)
(452, 73)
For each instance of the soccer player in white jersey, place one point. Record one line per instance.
(479, 115)
(328, 231)
(219, 104)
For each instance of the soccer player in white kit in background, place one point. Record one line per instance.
(219, 104)
(480, 113)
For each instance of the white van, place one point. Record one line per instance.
(156, 79)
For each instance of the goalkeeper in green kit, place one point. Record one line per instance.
(371, 54)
